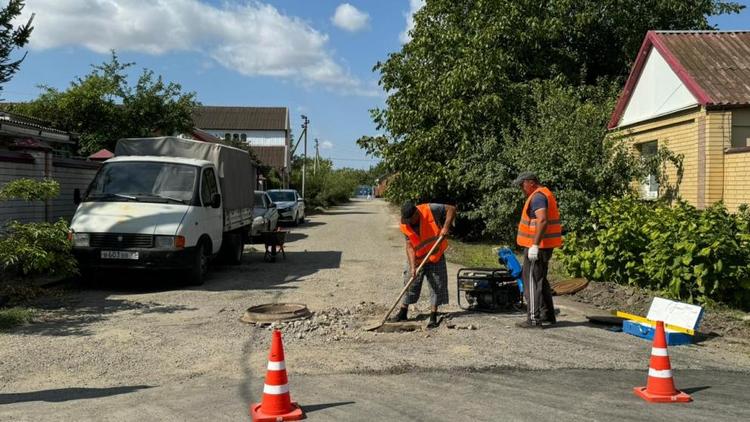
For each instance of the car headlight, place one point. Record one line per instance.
(169, 242)
(80, 240)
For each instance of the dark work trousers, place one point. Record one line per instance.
(536, 289)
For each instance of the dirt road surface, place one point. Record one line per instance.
(145, 348)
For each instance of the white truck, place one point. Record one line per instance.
(165, 203)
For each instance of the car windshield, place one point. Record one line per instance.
(144, 181)
(282, 196)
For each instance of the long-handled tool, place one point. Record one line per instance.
(406, 286)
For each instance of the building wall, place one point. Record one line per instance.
(737, 180)
(69, 173)
(267, 138)
(679, 133)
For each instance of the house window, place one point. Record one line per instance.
(227, 136)
(243, 137)
(740, 128)
(649, 186)
(235, 137)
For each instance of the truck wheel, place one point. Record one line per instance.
(233, 248)
(197, 274)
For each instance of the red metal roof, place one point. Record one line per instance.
(101, 155)
(713, 65)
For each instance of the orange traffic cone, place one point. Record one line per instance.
(276, 404)
(660, 386)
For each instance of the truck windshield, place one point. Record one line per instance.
(282, 196)
(144, 182)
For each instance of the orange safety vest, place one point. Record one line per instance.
(429, 232)
(552, 237)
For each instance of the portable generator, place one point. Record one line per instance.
(488, 289)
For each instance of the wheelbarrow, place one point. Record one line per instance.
(274, 243)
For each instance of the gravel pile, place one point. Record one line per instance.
(329, 325)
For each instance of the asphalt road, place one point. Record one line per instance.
(545, 395)
(148, 349)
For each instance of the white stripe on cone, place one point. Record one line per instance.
(659, 351)
(664, 373)
(275, 389)
(276, 366)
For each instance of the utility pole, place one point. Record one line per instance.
(305, 123)
(317, 156)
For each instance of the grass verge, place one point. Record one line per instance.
(13, 317)
(472, 254)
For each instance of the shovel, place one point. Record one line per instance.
(406, 286)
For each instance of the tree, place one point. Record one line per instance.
(11, 38)
(463, 88)
(103, 107)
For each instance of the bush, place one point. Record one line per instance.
(37, 248)
(29, 190)
(688, 254)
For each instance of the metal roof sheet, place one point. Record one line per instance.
(718, 62)
(241, 118)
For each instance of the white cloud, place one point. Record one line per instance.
(326, 145)
(414, 6)
(349, 18)
(252, 38)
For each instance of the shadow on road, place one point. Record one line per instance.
(73, 313)
(67, 394)
(315, 407)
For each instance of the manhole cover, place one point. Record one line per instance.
(569, 287)
(275, 312)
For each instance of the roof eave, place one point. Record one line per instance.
(652, 40)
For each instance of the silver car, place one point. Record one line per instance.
(265, 214)
(290, 204)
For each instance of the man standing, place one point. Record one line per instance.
(422, 225)
(539, 232)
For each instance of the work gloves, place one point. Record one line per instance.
(534, 253)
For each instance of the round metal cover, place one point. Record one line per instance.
(568, 287)
(275, 312)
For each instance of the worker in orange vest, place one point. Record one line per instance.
(539, 232)
(422, 225)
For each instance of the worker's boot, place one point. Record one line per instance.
(401, 315)
(433, 320)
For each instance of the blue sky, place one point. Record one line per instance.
(315, 57)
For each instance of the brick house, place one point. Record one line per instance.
(690, 91)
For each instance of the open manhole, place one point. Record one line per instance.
(275, 312)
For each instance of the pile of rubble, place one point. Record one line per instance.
(330, 325)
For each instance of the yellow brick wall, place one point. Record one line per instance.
(718, 135)
(679, 133)
(736, 180)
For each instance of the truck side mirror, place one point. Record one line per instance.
(77, 196)
(272, 205)
(216, 200)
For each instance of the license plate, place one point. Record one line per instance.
(119, 255)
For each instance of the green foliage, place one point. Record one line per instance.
(11, 38)
(467, 93)
(13, 317)
(325, 186)
(37, 248)
(103, 107)
(29, 190)
(688, 254)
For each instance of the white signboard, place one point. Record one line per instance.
(675, 313)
